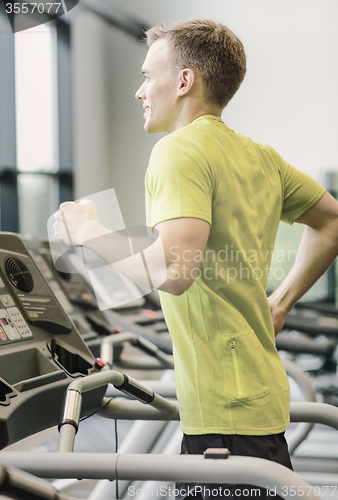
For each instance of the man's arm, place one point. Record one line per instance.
(172, 260)
(184, 241)
(175, 257)
(317, 251)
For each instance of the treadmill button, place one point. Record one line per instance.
(7, 300)
(2, 334)
(19, 322)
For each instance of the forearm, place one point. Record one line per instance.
(317, 251)
(155, 263)
(139, 259)
(147, 261)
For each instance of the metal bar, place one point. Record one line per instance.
(186, 468)
(167, 389)
(109, 341)
(172, 447)
(136, 340)
(165, 406)
(92, 381)
(110, 376)
(21, 486)
(65, 121)
(304, 383)
(315, 465)
(320, 413)
(140, 362)
(66, 438)
(72, 403)
(143, 437)
(124, 409)
(9, 201)
(7, 93)
(72, 408)
(70, 416)
(65, 128)
(9, 204)
(140, 439)
(12, 171)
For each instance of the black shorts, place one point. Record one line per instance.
(272, 447)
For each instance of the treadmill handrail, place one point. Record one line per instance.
(70, 415)
(136, 340)
(319, 413)
(19, 484)
(303, 381)
(188, 468)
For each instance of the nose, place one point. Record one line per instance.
(140, 94)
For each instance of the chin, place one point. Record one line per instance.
(152, 129)
(148, 128)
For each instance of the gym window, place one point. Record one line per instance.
(35, 125)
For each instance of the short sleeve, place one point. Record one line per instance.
(179, 182)
(300, 191)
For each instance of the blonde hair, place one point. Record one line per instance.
(210, 49)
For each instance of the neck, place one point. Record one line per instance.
(191, 110)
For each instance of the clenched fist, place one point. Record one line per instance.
(76, 223)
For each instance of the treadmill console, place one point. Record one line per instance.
(74, 293)
(41, 351)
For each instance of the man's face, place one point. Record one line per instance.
(159, 90)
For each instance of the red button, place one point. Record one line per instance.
(2, 334)
(100, 363)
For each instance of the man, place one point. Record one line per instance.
(216, 197)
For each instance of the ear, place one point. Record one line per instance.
(187, 79)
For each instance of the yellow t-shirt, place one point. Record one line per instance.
(229, 376)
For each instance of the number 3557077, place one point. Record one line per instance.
(30, 8)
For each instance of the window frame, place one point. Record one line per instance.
(9, 200)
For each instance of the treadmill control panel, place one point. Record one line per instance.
(13, 323)
(41, 351)
(25, 297)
